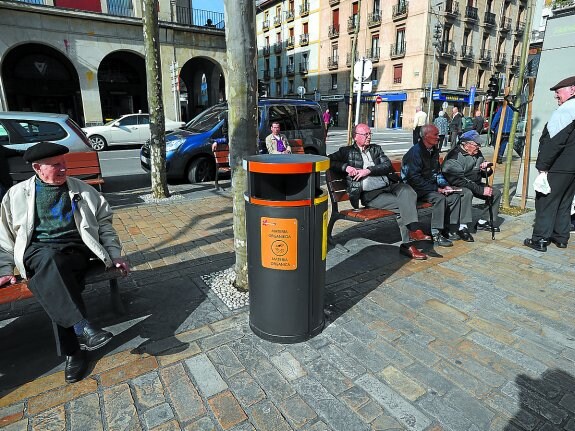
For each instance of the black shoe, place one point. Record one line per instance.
(93, 338)
(441, 241)
(76, 366)
(451, 236)
(540, 245)
(487, 226)
(465, 235)
(499, 160)
(559, 244)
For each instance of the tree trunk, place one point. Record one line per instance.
(241, 83)
(155, 103)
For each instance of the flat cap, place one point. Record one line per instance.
(44, 150)
(471, 136)
(567, 82)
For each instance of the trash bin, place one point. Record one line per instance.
(286, 220)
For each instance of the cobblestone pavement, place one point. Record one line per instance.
(479, 337)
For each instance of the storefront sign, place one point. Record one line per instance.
(459, 97)
(385, 97)
(332, 98)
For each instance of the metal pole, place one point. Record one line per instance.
(358, 99)
(431, 88)
(353, 49)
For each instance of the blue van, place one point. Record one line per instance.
(188, 150)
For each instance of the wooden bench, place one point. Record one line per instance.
(222, 160)
(337, 188)
(296, 146)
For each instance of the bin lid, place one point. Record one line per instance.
(286, 163)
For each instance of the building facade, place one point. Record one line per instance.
(86, 58)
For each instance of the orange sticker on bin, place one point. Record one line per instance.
(279, 243)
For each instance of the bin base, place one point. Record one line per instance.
(287, 339)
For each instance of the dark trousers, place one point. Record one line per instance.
(56, 276)
(495, 202)
(552, 211)
(445, 210)
(416, 135)
(454, 137)
(402, 200)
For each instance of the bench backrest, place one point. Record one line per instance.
(296, 146)
(83, 165)
(222, 156)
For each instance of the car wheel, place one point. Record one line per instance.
(201, 169)
(98, 142)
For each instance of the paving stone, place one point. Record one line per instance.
(273, 383)
(371, 360)
(334, 381)
(148, 390)
(206, 376)
(405, 386)
(344, 362)
(289, 366)
(158, 415)
(570, 425)
(568, 402)
(50, 420)
(470, 407)
(202, 424)
(244, 426)
(393, 403)
(184, 397)
(303, 352)
(128, 371)
(171, 426)
(84, 413)
(296, 411)
(227, 410)
(386, 423)
(535, 403)
(355, 398)
(370, 411)
(429, 378)
(31, 389)
(59, 396)
(225, 361)
(220, 338)
(11, 414)
(170, 356)
(246, 389)
(119, 409)
(359, 330)
(316, 426)
(21, 425)
(448, 416)
(411, 346)
(331, 410)
(462, 379)
(390, 353)
(510, 408)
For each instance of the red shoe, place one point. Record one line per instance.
(418, 235)
(412, 252)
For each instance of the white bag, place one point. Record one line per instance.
(541, 184)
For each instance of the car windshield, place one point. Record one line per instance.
(208, 119)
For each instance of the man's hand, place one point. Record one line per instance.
(487, 191)
(361, 173)
(7, 279)
(122, 264)
(288, 150)
(483, 166)
(351, 171)
(445, 190)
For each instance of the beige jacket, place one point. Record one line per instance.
(272, 144)
(93, 218)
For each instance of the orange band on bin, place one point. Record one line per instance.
(280, 168)
(266, 203)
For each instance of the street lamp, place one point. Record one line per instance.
(435, 44)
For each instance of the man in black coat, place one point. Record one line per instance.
(372, 180)
(556, 158)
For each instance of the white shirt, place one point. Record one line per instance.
(419, 119)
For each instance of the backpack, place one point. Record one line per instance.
(467, 124)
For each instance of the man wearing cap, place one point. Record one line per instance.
(50, 227)
(465, 167)
(557, 158)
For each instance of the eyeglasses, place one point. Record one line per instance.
(364, 134)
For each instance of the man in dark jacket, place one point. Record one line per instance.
(371, 180)
(451, 209)
(465, 167)
(505, 131)
(478, 122)
(557, 158)
(456, 126)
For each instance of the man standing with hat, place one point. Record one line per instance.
(50, 227)
(465, 167)
(556, 158)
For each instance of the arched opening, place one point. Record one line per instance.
(39, 78)
(202, 85)
(122, 82)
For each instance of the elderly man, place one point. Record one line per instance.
(50, 227)
(419, 120)
(371, 180)
(465, 167)
(557, 158)
(456, 126)
(421, 170)
(276, 142)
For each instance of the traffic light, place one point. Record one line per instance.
(437, 32)
(493, 87)
(262, 88)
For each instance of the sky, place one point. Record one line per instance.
(212, 5)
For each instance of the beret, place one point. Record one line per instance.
(44, 150)
(567, 82)
(471, 135)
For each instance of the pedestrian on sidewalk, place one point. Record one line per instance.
(50, 227)
(326, 121)
(478, 122)
(442, 125)
(455, 126)
(508, 121)
(419, 121)
(556, 158)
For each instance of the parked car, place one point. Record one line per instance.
(126, 130)
(188, 151)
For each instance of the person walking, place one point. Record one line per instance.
(326, 121)
(419, 121)
(442, 125)
(508, 121)
(478, 122)
(456, 126)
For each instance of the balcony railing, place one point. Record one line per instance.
(489, 19)
(303, 68)
(332, 62)
(266, 50)
(505, 24)
(501, 60)
(304, 8)
(290, 69)
(471, 14)
(466, 53)
(290, 14)
(448, 49)
(372, 54)
(184, 15)
(290, 42)
(266, 24)
(266, 75)
(333, 31)
(120, 8)
(277, 21)
(519, 28)
(373, 19)
(277, 47)
(278, 72)
(352, 23)
(303, 39)
(333, 2)
(399, 10)
(485, 56)
(397, 50)
(515, 61)
(349, 59)
(451, 9)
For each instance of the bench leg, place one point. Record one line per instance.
(332, 221)
(216, 185)
(115, 299)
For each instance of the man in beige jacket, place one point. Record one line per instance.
(50, 228)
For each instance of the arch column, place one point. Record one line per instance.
(90, 97)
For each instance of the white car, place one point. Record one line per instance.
(126, 130)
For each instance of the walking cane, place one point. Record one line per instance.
(489, 201)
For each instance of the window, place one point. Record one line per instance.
(375, 44)
(25, 131)
(285, 115)
(354, 12)
(308, 118)
(305, 28)
(480, 78)
(291, 32)
(278, 37)
(304, 83)
(485, 41)
(442, 74)
(466, 38)
(267, 41)
(143, 119)
(278, 90)
(278, 11)
(462, 76)
(278, 62)
(132, 120)
(291, 88)
(334, 81)
(397, 72)
(335, 18)
(376, 7)
(373, 76)
(267, 64)
(334, 50)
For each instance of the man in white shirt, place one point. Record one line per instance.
(419, 121)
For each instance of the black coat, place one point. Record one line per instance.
(421, 170)
(557, 153)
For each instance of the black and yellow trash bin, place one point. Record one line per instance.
(286, 218)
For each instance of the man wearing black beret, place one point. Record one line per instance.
(556, 158)
(50, 227)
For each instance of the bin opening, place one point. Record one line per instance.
(291, 187)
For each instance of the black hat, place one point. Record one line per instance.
(44, 150)
(567, 82)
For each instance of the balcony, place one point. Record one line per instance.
(266, 25)
(290, 42)
(489, 19)
(399, 10)
(277, 72)
(466, 53)
(333, 31)
(304, 39)
(277, 47)
(266, 75)
(515, 61)
(505, 25)
(372, 54)
(397, 50)
(304, 8)
(447, 49)
(332, 62)
(303, 68)
(484, 56)
(290, 69)
(277, 21)
(519, 28)
(290, 15)
(471, 16)
(333, 2)
(349, 59)
(451, 9)
(501, 60)
(373, 19)
(266, 50)
(352, 23)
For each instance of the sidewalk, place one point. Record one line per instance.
(480, 338)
